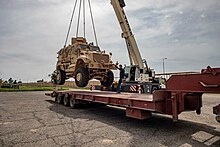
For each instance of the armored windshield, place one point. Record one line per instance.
(95, 48)
(90, 47)
(83, 46)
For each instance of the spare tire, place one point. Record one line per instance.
(82, 77)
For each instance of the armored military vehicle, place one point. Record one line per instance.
(83, 61)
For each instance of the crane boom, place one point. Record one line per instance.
(133, 51)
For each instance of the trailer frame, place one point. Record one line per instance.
(183, 93)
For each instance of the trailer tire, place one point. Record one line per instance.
(82, 77)
(60, 78)
(72, 103)
(55, 99)
(60, 98)
(66, 100)
(217, 118)
(198, 111)
(55, 95)
(109, 79)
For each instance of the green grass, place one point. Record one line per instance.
(31, 88)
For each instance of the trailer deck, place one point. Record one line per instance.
(137, 106)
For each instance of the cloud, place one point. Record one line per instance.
(186, 32)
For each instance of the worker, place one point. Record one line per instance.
(121, 77)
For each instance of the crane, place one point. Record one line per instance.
(138, 74)
(138, 71)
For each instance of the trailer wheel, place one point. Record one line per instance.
(55, 99)
(217, 118)
(82, 77)
(66, 100)
(56, 95)
(72, 103)
(109, 79)
(60, 98)
(60, 78)
(198, 111)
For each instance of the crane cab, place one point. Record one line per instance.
(135, 74)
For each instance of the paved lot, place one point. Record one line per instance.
(32, 119)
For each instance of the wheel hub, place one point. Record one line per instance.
(58, 77)
(78, 76)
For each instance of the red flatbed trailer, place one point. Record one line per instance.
(183, 93)
(137, 106)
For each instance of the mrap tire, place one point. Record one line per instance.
(109, 79)
(61, 76)
(82, 77)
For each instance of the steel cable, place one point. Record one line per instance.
(84, 19)
(74, 8)
(77, 30)
(93, 25)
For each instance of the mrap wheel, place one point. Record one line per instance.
(82, 77)
(60, 77)
(108, 80)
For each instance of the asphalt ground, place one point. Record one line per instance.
(33, 119)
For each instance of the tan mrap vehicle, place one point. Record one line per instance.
(84, 62)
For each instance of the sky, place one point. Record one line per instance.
(187, 33)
